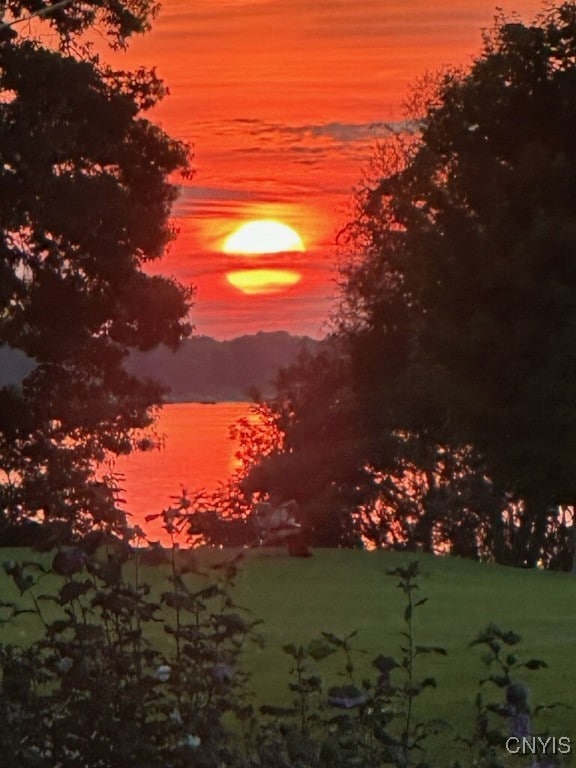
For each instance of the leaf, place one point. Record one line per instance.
(24, 583)
(385, 663)
(385, 737)
(318, 649)
(267, 709)
(334, 639)
(510, 638)
(58, 627)
(35, 566)
(431, 649)
(176, 601)
(208, 592)
(499, 709)
(232, 623)
(72, 590)
(534, 664)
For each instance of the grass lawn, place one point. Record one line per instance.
(340, 591)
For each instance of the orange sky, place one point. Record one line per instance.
(283, 101)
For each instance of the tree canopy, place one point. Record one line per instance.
(458, 308)
(69, 20)
(85, 199)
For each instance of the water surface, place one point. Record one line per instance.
(197, 453)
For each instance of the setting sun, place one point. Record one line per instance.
(263, 236)
(256, 281)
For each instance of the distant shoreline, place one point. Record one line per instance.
(201, 370)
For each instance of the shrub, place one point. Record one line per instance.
(95, 692)
(97, 689)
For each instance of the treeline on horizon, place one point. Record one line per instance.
(203, 368)
(200, 369)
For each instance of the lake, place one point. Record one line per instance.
(197, 453)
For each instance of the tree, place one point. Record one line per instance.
(332, 447)
(68, 20)
(446, 420)
(473, 233)
(85, 198)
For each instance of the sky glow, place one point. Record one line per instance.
(284, 104)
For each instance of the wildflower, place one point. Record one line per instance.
(162, 673)
(222, 673)
(193, 742)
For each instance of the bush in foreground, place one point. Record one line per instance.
(95, 691)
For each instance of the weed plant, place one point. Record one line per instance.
(95, 690)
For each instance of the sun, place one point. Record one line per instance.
(263, 236)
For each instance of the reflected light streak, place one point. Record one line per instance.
(257, 281)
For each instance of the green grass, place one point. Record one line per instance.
(340, 591)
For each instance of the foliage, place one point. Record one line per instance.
(457, 316)
(358, 481)
(378, 722)
(95, 690)
(509, 715)
(475, 229)
(121, 673)
(69, 22)
(368, 723)
(208, 518)
(84, 207)
(320, 460)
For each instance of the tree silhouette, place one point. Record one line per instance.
(476, 232)
(85, 198)
(457, 318)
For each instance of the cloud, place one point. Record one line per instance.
(226, 203)
(337, 131)
(194, 192)
(340, 132)
(302, 312)
(248, 148)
